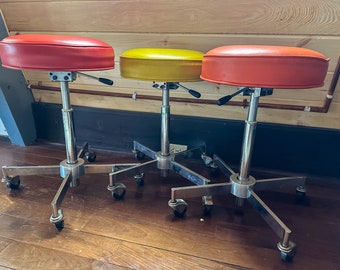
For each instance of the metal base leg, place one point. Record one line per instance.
(142, 149)
(164, 164)
(116, 187)
(13, 172)
(243, 186)
(164, 160)
(70, 173)
(10, 172)
(244, 191)
(283, 182)
(286, 247)
(57, 217)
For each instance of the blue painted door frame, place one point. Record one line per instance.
(16, 102)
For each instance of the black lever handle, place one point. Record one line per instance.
(225, 99)
(105, 81)
(190, 91)
(102, 80)
(194, 93)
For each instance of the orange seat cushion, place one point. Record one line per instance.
(265, 66)
(55, 53)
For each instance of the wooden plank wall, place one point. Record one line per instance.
(191, 24)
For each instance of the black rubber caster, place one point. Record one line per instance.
(300, 192)
(207, 205)
(206, 159)
(13, 182)
(214, 171)
(139, 179)
(119, 196)
(59, 225)
(287, 253)
(207, 209)
(179, 207)
(139, 155)
(286, 257)
(58, 220)
(91, 156)
(180, 213)
(118, 191)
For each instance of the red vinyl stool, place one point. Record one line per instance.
(63, 56)
(257, 70)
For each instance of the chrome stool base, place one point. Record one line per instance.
(243, 186)
(70, 169)
(163, 159)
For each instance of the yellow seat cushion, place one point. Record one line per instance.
(161, 64)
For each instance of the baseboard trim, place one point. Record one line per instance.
(277, 147)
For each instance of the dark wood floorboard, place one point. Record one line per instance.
(140, 231)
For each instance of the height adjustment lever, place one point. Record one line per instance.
(246, 91)
(225, 99)
(102, 80)
(190, 91)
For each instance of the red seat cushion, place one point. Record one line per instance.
(265, 66)
(55, 53)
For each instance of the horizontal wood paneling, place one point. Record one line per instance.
(310, 17)
(198, 25)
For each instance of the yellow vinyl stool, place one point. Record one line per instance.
(168, 66)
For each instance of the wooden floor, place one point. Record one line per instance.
(140, 232)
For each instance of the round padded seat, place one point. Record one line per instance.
(161, 64)
(265, 66)
(56, 53)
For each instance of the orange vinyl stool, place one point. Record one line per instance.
(257, 70)
(63, 56)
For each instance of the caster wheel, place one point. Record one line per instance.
(214, 171)
(59, 225)
(13, 182)
(286, 257)
(179, 207)
(90, 156)
(207, 205)
(58, 220)
(139, 179)
(139, 155)
(207, 209)
(207, 160)
(287, 253)
(118, 191)
(180, 211)
(300, 192)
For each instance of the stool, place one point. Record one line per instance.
(169, 66)
(63, 57)
(257, 70)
